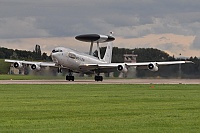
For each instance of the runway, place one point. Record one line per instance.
(106, 81)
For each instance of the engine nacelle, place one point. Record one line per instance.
(122, 68)
(153, 67)
(18, 65)
(35, 67)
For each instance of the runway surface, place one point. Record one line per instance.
(106, 81)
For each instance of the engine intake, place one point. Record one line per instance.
(153, 67)
(35, 67)
(17, 65)
(122, 68)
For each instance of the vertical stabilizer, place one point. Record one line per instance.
(108, 54)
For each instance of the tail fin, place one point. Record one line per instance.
(108, 54)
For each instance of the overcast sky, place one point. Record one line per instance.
(169, 25)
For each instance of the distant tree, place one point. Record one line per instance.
(46, 57)
(37, 52)
(37, 49)
(5, 52)
(14, 55)
(151, 55)
(144, 54)
(2, 54)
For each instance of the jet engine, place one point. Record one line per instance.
(17, 65)
(153, 67)
(35, 67)
(122, 68)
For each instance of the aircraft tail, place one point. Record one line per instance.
(108, 54)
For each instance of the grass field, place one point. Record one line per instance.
(27, 77)
(100, 108)
(36, 77)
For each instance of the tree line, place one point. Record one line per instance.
(151, 55)
(36, 54)
(143, 55)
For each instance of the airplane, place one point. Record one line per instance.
(78, 62)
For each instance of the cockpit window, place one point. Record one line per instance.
(56, 50)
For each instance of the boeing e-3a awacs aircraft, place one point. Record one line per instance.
(74, 61)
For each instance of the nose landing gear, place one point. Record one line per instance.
(70, 77)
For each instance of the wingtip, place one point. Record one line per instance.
(189, 62)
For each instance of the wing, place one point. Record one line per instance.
(34, 65)
(109, 67)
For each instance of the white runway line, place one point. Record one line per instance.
(106, 81)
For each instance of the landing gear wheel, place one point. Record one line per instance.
(70, 78)
(98, 78)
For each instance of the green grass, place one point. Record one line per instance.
(27, 77)
(38, 77)
(4, 67)
(100, 108)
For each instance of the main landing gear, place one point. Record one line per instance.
(70, 77)
(98, 78)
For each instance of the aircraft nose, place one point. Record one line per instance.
(54, 57)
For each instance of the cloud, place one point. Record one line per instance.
(127, 18)
(47, 44)
(20, 28)
(134, 20)
(196, 43)
(170, 43)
